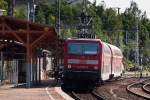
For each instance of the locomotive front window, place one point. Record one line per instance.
(83, 48)
(75, 48)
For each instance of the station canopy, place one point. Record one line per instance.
(26, 34)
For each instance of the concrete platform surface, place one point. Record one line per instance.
(63, 94)
(23, 94)
(46, 91)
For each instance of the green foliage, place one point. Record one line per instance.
(128, 64)
(3, 4)
(20, 13)
(107, 24)
(97, 23)
(39, 15)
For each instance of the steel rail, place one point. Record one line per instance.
(97, 96)
(133, 85)
(145, 88)
(75, 96)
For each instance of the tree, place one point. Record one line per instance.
(20, 13)
(3, 4)
(96, 20)
(39, 15)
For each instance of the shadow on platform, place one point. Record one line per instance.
(42, 84)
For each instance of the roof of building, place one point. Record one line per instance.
(25, 32)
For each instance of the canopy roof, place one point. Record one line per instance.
(26, 33)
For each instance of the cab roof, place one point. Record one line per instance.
(82, 39)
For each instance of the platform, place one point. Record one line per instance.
(46, 91)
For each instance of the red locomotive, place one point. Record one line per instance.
(91, 61)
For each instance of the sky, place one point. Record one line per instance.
(143, 5)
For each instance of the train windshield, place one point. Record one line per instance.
(83, 48)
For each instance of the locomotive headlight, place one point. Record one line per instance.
(96, 67)
(69, 66)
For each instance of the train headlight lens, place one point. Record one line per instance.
(96, 67)
(69, 66)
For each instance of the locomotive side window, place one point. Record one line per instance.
(83, 48)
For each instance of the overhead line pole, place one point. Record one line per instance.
(59, 20)
(31, 10)
(10, 11)
(137, 46)
(1, 68)
(118, 40)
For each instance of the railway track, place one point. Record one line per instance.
(75, 96)
(87, 96)
(146, 88)
(97, 96)
(140, 89)
(93, 95)
(104, 91)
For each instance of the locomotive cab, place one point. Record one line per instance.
(81, 61)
